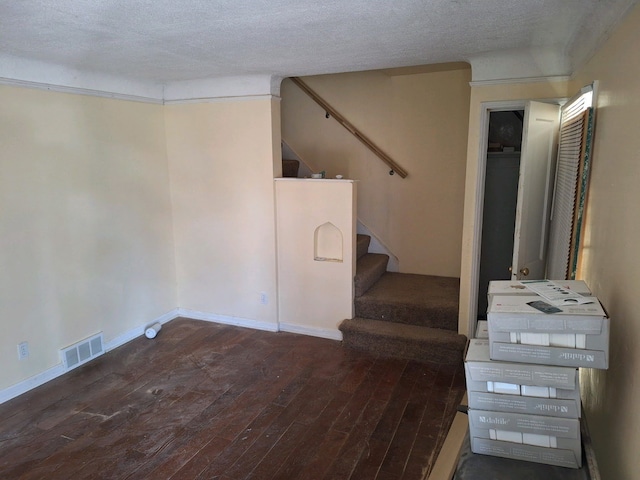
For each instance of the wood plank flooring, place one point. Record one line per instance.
(209, 401)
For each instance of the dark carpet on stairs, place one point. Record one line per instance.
(424, 344)
(408, 316)
(424, 300)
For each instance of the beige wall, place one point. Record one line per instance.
(85, 223)
(222, 160)
(420, 120)
(315, 270)
(610, 260)
(473, 192)
(87, 238)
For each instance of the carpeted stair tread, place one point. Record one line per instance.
(430, 345)
(290, 167)
(422, 300)
(362, 244)
(369, 268)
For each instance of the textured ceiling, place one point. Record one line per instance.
(165, 41)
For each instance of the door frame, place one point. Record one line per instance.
(485, 110)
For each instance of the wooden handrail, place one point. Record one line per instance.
(395, 168)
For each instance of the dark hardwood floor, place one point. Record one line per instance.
(209, 401)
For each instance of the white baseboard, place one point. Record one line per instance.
(31, 383)
(138, 331)
(58, 370)
(312, 331)
(237, 321)
(259, 325)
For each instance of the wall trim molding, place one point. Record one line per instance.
(227, 320)
(506, 81)
(240, 98)
(79, 91)
(51, 87)
(331, 334)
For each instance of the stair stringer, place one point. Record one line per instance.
(377, 246)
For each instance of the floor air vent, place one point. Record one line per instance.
(82, 352)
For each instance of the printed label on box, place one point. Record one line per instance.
(551, 407)
(536, 438)
(479, 367)
(566, 357)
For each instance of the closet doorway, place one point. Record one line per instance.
(514, 238)
(500, 199)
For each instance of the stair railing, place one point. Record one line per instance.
(330, 111)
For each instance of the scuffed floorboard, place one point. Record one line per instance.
(203, 401)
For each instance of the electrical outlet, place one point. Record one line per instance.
(264, 298)
(23, 350)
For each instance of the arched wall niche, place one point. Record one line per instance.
(328, 243)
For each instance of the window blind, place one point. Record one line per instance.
(565, 216)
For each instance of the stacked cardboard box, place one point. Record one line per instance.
(522, 374)
(508, 287)
(523, 411)
(519, 387)
(576, 335)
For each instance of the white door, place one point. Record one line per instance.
(535, 185)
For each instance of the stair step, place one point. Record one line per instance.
(369, 268)
(290, 167)
(422, 300)
(362, 244)
(424, 344)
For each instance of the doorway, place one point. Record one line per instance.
(504, 144)
(535, 174)
(532, 220)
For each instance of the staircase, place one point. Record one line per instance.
(403, 315)
(290, 168)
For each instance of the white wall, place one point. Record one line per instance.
(223, 157)
(86, 240)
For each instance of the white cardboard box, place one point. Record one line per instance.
(509, 287)
(482, 329)
(534, 438)
(552, 407)
(520, 388)
(577, 336)
(479, 367)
